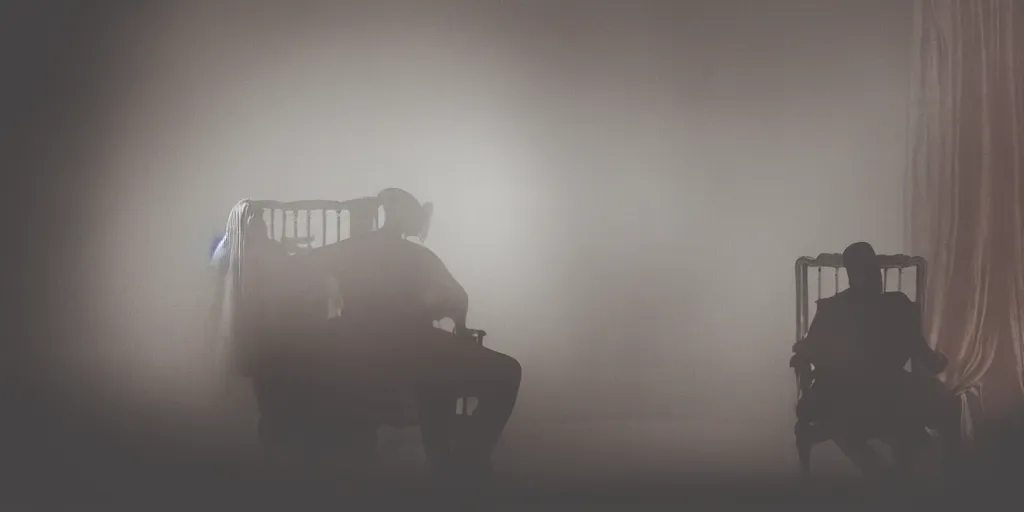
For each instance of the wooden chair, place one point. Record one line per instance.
(826, 266)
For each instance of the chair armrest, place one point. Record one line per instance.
(472, 334)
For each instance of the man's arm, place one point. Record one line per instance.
(926, 360)
(804, 349)
(923, 358)
(444, 296)
(821, 335)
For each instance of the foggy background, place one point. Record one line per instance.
(621, 187)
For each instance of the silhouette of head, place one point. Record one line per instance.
(862, 267)
(403, 214)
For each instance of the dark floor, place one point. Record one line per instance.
(94, 465)
(113, 473)
(201, 487)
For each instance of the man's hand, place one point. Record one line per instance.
(929, 363)
(446, 305)
(802, 346)
(799, 359)
(801, 353)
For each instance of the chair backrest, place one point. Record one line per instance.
(898, 264)
(299, 226)
(317, 223)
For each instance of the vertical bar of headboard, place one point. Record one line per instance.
(806, 280)
(800, 292)
(323, 227)
(921, 293)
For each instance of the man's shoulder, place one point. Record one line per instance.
(899, 303)
(413, 246)
(896, 296)
(897, 300)
(378, 243)
(419, 250)
(835, 300)
(892, 297)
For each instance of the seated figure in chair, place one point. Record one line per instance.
(393, 290)
(859, 344)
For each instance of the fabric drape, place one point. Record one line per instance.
(965, 184)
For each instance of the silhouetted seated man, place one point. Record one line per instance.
(393, 290)
(859, 343)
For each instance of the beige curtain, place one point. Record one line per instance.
(965, 180)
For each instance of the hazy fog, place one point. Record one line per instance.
(621, 187)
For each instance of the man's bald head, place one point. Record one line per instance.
(862, 267)
(859, 254)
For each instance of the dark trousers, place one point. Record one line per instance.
(897, 408)
(439, 366)
(446, 368)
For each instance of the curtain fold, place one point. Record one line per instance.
(965, 186)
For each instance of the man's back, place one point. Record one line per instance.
(864, 336)
(387, 281)
(377, 274)
(859, 344)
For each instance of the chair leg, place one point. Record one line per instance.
(804, 442)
